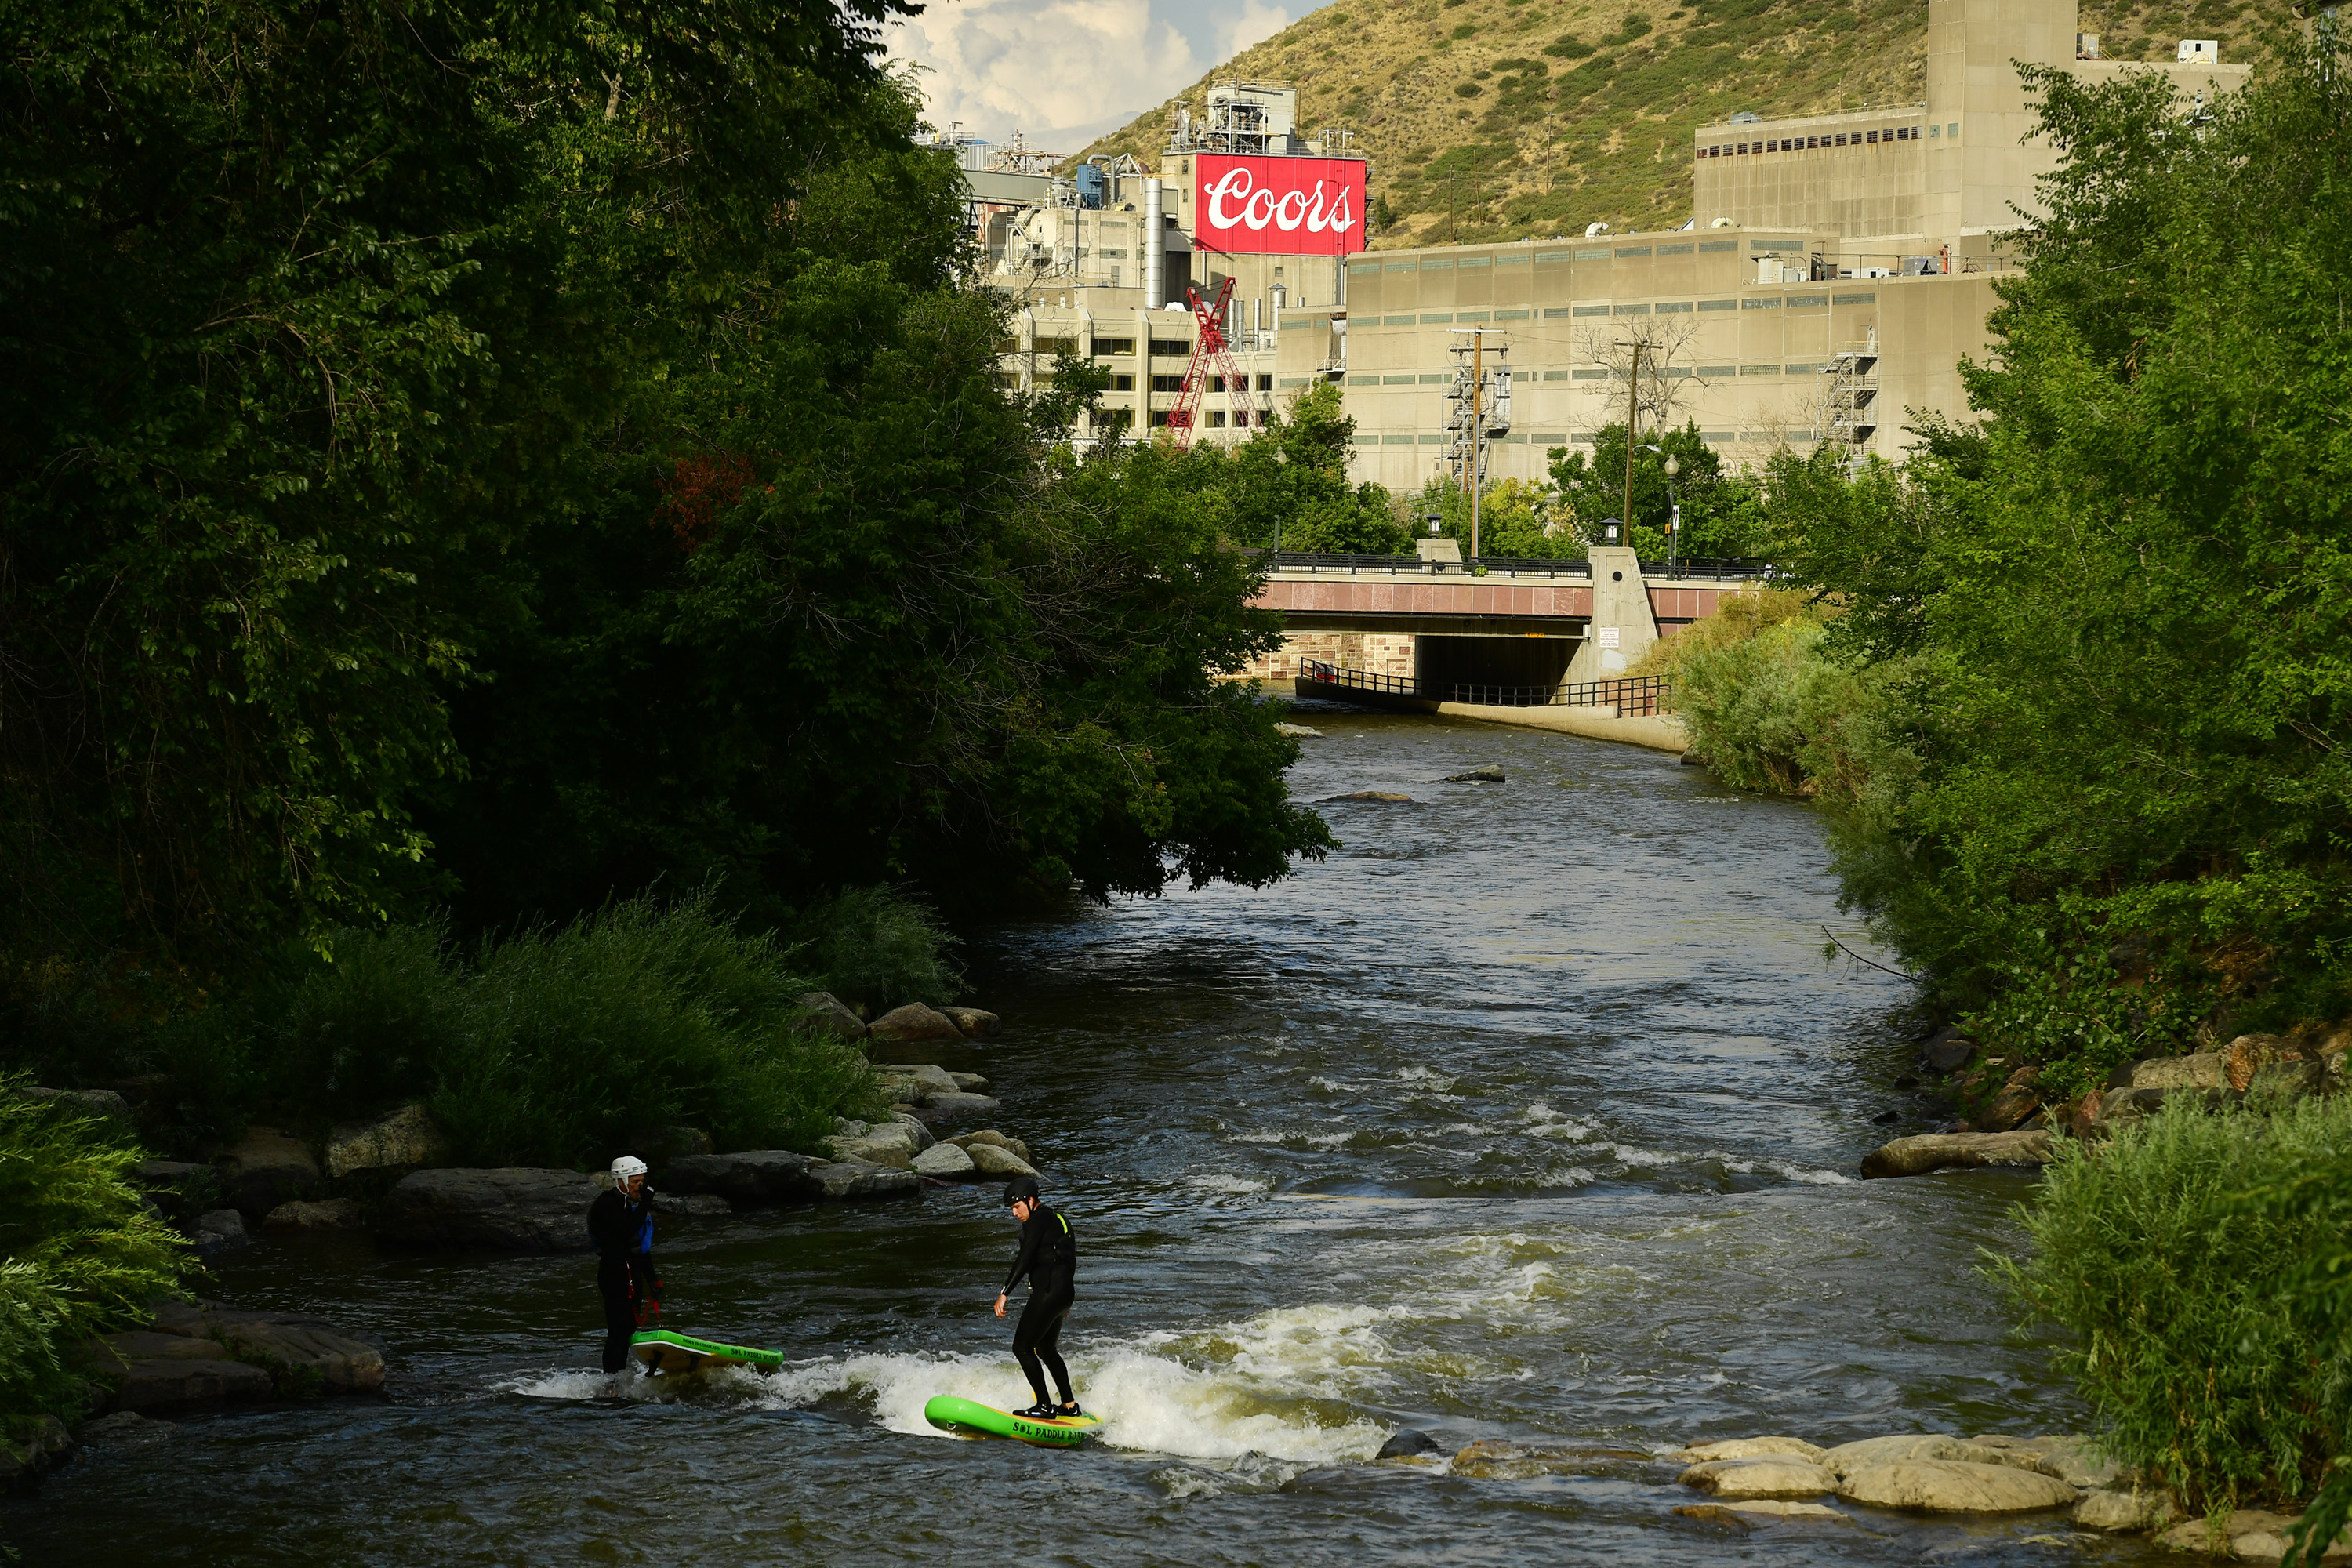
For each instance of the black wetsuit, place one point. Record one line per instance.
(1049, 1257)
(624, 1234)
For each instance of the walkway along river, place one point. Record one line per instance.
(1531, 1113)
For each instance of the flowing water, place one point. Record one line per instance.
(1531, 1113)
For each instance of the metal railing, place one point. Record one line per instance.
(1323, 672)
(1631, 695)
(1713, 566)
(1720, 566)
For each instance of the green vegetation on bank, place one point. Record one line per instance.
(457, 474)
(2081, 702)
(80, 1251)
(2201, 1261)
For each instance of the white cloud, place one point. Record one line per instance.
(1066, 71)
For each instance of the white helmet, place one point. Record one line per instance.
(624, 1167)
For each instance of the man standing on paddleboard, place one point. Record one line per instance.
(621, 1223)
(1049, 1257)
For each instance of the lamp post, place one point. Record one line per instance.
(1674, 508)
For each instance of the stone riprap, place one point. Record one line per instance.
(202, 1353)
(945, 1162)
(1953, 1486)
(1787, 1475)
(913, 1022)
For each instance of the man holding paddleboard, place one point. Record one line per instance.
(1049, 1257)
(621, 1223)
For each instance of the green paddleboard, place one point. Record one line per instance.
(662, 1350)
(966, 1419)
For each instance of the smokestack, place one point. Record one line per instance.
(1155, 249)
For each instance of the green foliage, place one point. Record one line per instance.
(80, 1254)
(2123, 595)
(2161, 1251)
(1722, 513)
(548, 1047)
(1516, 521)
(1288, 484)
(1568, 46)
(881, 948)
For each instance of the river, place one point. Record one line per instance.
(1532, 1113)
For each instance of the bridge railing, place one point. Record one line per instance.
(1324, 672)
(1631, 695)
(1716, 567)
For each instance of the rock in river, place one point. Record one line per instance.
(1953, 1486)
(974, 1021)
(202, 1353)
(1019, 1150)
(945, 1162)
(958, 1106)
(1410, 1443)
(991, 1160)
(825, 1013)
(1386, 796)
(2250, 1534)
(1298, 732)
(1748, 1514)
(1957, 1151)
(914, 1022)
(330, 1214)
(1502, 1459)
(513, 1209)
(1745, 1449)
(26, 1457)
(219, 1230)
(1490, 774)
(845, 1181)
(1763, 1476)
(266, 1168)
(754, 1179)
(2118, 1511)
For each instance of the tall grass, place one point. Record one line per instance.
(879, 946)
(80, 1252)
(2165, 1251)
(551, 1046)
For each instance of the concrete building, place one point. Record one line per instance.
(1835, 271)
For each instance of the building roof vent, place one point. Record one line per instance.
(1749, 117)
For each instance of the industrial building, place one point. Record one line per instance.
(1836, 270)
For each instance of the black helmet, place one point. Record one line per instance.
(1020, 1189)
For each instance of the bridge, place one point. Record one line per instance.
(1435, 626)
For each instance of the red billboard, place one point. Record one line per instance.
(1286, 207)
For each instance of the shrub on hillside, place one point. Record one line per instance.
(2163, 1250)
(80, 1252)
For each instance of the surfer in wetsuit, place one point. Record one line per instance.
(621, 1223)
(1049, 1257)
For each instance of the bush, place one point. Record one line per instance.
(882, 947)
(2162, 1252)
(556, 1044)
(80, 1254)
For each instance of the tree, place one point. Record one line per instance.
(1722, 515)
(1290, 480)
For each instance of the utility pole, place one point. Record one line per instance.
(1633, 421)
(1479, 412)
(1477, 426)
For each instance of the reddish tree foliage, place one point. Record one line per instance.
(700, 488)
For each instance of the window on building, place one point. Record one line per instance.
(1166, 383)
(1771, 146)
(1123, 382)
(1935, 130)
(1265, 384)
(1048, 347)
(1871, 137)
(1953, 128)
(1114, 345)
(1121, 418)
(1216, 419)
(1177, 347)
(1743, 149)
(1158, 418)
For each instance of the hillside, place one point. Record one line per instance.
(1497, 119)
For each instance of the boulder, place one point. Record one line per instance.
(1489, 774)
(204, 1353)
(1409, 1444)
(304, 1358)
(1958, 1151)
(1502, 1459)
(1849, 1457)
(219, 1230)
(183, 1374)
(126, 1429)
(960, 1106)
(696, 1206)
(1745, 1449)
(25, 1459)
(104, 1106)
(1763, 1510)
(404, 1140)
(944, 1163)
(2118, 1511)
(1695, 758)
(990, 1160)
(1764, 1476)
(1387, 798)
(1953, 1486)
(2079, 1463)
(2251, 1534)
(748, 1180)
(331, 1214)
(914, 1129)
(1298, 732)
(845, 1181)
(970, 1083)
(974, 1021)
(2205, 1070)
(2016, 1102)
(1947, 1050)
(886, 1146)
(1014, 1146)
(825, 1014)
(180, 1190)
(913, 1022)
(266, 1168)
(511, 1210)
(929, 1080)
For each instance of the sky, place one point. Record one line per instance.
(1064, 72)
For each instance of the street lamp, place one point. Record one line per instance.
(1674, 508)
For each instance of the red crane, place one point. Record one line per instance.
(1210, 351)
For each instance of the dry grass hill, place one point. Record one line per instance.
(1501, 118)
